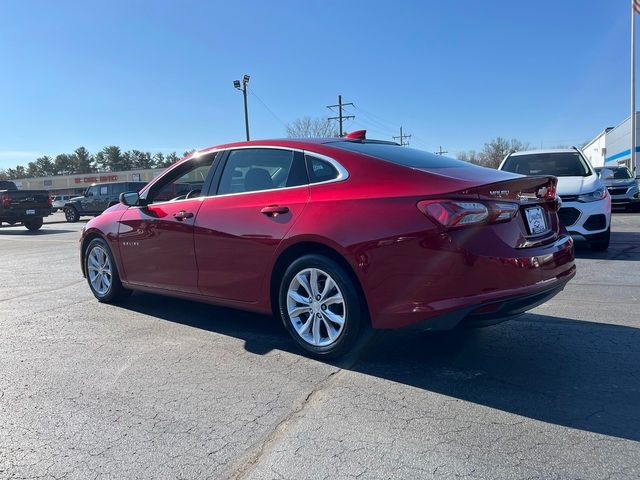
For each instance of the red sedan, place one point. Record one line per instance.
(334, 235)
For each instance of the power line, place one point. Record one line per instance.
(402, 137)
(390, 126)
(267, 107)
(340, 116)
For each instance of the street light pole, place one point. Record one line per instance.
(632, 150)
(243, 88)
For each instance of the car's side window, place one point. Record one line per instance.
(93, 191)
(256, 169)
(320, 170)
(188, 180)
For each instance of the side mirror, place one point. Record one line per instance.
(87, 194)
(130, 199)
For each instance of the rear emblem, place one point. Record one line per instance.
(542, 192)
(499, 193)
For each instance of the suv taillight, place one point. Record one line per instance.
(50, 199)
(460, 213)
(6, 201)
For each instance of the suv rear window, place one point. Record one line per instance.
(560, 164)
(409, 157)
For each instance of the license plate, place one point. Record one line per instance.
(535, 219)
(31, 212)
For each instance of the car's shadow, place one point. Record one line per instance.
(30, 233)
(577, 374)
(623, 246)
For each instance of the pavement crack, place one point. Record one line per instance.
(247, 463)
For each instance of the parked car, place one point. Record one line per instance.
(335, 235)
(97, 198)
(28, 207)
(586, 204)
(622, 186)
(59, 201)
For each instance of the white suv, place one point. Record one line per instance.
(586, 204)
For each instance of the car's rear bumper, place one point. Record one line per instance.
(19, 215)
(445, 288)
(493, 312)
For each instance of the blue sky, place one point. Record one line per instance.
(158, 75)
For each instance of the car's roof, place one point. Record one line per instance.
(548, 150)
(289, 142)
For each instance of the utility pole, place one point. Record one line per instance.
(243, 89)
(401, 138)
(635, 8)
(340, 116)
(441, 152)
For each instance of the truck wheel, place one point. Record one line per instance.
(71, 214)
(102, 273)
(33, 223)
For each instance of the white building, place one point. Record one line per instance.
(612, 146)
(596, 149)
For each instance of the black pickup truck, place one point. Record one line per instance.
(28, 207)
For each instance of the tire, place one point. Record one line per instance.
(99, 261)
(335, 328)
(33, 223)
(600, 241)
(71, 214)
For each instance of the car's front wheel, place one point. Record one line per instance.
(102, 273)
(320, 306)
(71, 214)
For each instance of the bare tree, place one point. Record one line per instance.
(307, 127)
(494, 151)
(471, 156)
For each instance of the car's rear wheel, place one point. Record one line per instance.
(102, 273)
(33, 223)
(320, 306)
(71, 214)
(600, 241)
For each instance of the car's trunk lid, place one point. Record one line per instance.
(537, 220)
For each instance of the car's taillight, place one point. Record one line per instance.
(50, 200)
(459, 213)
(6, 201)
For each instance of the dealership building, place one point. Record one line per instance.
(76, 184)
(612, 145)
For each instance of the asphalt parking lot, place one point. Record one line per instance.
(164, 388)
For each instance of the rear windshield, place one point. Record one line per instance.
(619, 173)
(409, 157)
(561, 164)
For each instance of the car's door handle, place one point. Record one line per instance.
(181, 215)
(274, 210)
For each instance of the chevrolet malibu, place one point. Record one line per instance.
(335, 236)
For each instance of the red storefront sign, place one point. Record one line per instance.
(104, 178)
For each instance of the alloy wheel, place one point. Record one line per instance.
(99, 270)
(316, 307)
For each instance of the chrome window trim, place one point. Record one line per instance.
(343, 174)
